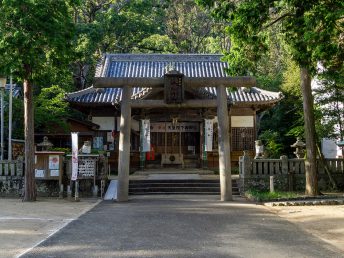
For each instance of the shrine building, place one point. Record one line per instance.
(172, 108)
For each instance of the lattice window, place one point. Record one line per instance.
(242, 138)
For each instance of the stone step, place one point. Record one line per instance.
(174, 186)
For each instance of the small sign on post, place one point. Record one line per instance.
(208, 133)
(75, 160)
(272, 184)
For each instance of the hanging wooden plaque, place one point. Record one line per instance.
(174, 87)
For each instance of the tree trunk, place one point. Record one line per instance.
(30, 186)
(310, 162)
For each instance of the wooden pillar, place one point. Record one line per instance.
(224, 150)
(124, 146)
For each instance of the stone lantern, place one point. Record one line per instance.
(300, 148)
(46, 144)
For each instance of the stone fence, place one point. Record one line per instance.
(289, 174)
(11, 177)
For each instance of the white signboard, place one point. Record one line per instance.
(54, 162)
(39, 173)
(145, 135)
(54, 172)
(105, 123)
(208, 132)
(242, 121)
(74, 156)
(330, 149)
(179, 127)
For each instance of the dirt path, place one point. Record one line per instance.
(325, 222)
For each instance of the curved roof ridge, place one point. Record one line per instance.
(267, 92)
(104, 95)
(80, 92)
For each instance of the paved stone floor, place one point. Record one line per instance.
(182, 226)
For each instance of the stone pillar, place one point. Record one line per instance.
(124, 146)
(245, 170)
(284, 160)
(224, 150)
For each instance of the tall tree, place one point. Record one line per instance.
(33, 33)
(311, 29)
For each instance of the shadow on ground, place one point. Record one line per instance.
(181, 226)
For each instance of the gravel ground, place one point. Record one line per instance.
(325, 222)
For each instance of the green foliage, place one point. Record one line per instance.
(189, 27)
(271, 142)
(157, 43)
(129, 23)
(51, 110)
(330, 96)
(263, 196)
(310, 30)
(65, 150)
(291, 79)
(32, 34)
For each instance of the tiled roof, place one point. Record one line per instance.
(101, 96)
(243, 95)
(111, 96)
(156, 65)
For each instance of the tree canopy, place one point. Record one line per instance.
(312, 31)
(34, 34)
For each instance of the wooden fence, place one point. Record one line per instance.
(11, 168)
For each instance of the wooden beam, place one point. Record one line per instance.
(146, 103)
(153, 82)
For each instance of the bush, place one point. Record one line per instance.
(262, 196)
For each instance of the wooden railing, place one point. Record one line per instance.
(270, 167)
(334, 165)
(11, 168)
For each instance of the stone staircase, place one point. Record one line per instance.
(178, 186)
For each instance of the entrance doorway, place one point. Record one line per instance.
(175, 145)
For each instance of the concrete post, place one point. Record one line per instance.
(69, 192)
(95, 191)
(61, 191)
(124, 146)
(102, 188)
(272, 184)
(224, 150)
(246, 165)
(245, 170)
(76, 198)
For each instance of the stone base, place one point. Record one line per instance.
(11, 186)
(287, 183)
